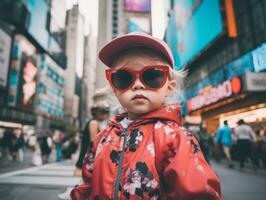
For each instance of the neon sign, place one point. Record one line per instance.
(214, 94)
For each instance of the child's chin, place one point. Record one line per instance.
(142, 111)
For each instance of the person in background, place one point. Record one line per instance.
(45, 143)
(33, 144)
(58, 140)
(71, 148)
(17, 143)
(205, 141)
(261, 146)
(245, 137)
(6, 144)
(224, 137)
(20, 143)
(99, 112)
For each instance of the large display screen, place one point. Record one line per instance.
(193, 25)
(37, 26)
(138, 6)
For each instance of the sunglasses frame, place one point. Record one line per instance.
(138, 73)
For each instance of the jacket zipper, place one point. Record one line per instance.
(119, 171)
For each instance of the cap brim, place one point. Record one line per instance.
(109, 52)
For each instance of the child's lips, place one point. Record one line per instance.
(139, 97)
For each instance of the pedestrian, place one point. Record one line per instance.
(205, 141)
(261, 146)
(34, 145)
(15, 145)
(224, 137)
(245, 139)
(20, 144)
(100, 112)
(6, 144)
(45, 142)
(144, 153)
(58, 139)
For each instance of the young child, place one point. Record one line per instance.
(144, 153)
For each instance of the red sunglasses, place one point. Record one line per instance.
(152, 77)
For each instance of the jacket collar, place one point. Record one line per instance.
(164, 113)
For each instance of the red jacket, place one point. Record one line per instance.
(160, 160)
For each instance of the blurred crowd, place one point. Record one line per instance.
(241, 144)
(53, 145)
(46, 146)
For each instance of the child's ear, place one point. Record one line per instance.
(171, 86)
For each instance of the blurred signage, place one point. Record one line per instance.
(5, 49)
(139, 24)
(50, 92)
(214, 94)
(191, 29)
(259, 58)
(143, 6)
(254, 82)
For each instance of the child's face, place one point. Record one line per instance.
(138, 99)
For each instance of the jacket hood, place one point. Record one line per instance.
(164, 113)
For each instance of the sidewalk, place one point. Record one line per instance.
(44, 182)
(7, 165)
(247, 169)
(241, 185)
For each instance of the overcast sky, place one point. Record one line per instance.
(89, 8)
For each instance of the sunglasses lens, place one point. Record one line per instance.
(121, 79)
(154, 78)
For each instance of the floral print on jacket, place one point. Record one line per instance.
(160, 160)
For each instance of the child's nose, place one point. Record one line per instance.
(138, 84)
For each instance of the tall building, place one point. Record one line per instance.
(90, 61)
(226, 60)
(75, 61)
(111, 22)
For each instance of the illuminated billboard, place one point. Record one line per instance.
(138, 6)
(38, 21)
(193, 25)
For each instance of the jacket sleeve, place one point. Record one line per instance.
(185, 173)
(83, 190)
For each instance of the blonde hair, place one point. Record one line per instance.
(176, 95)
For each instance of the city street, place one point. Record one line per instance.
(46, 182)
(241, 185)
(128, 80)
(43, 183)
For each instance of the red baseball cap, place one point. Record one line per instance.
(108, 53)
